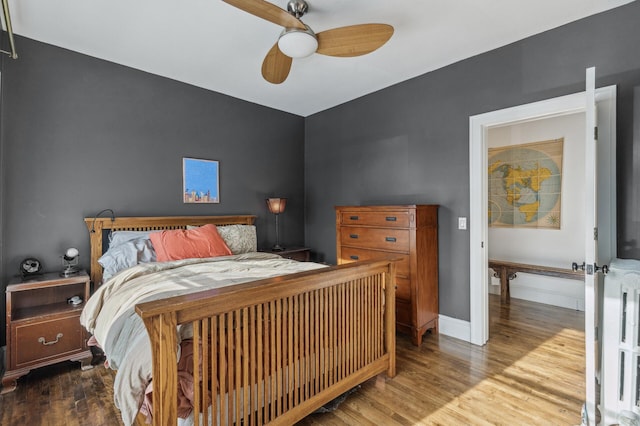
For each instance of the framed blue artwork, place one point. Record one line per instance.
(200, 183)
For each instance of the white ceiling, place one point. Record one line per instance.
(210, 44)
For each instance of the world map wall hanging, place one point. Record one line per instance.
(525, 185)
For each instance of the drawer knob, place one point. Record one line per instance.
(53, 342)
(354, 217)
(354, 236)
(390, 239)
(354, 257)
(391, 219)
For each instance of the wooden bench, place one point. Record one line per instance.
(506, 271)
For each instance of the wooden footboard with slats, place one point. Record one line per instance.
(274, 350)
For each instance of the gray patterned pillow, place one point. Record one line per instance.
(239, 238)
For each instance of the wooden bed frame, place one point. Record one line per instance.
(271, 351)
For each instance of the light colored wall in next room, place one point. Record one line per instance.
(548, 247)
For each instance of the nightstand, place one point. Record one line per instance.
(43, 328)
(301, 254)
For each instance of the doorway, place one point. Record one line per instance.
(599, 209)
(536, 205)
(478, 148)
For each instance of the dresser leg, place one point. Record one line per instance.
(85, 359)
(85, 363)
(417, 337)
(9, 384)
(417, 333)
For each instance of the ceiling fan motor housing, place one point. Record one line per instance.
(297, 8)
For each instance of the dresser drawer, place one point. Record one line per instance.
(385, 219)
(376, 238)
(39, 341)
(403, 312)
(403, 288)
(351, 254)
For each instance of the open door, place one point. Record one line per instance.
(591, 253)
(600, 246)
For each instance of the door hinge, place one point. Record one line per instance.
(481, 244)
(595, 234)
(595, 133)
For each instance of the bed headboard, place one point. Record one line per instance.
(96, 226)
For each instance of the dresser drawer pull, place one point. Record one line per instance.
(391, 218)
(390, 239)
(354, 236)
(53, 342)
(354, 218)
(354, 257)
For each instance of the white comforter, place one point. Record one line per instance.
(110, 313)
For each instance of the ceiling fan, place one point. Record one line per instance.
(297, 40)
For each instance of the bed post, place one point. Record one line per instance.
(95, 235)
(390, 318)
(162, 329)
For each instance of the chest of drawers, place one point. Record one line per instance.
(408, 233)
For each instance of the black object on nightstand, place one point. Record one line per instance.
(301, 254)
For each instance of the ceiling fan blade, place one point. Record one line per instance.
(269, 11)
(354, 40)
(276, 66)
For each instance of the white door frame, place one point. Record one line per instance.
(478, 213)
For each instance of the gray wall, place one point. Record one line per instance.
(79, 135)
(410, 143)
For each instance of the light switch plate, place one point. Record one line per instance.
(462, 223)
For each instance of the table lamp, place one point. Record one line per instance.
(276, 206)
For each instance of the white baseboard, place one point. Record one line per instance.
(561, 292)
(548, 298)
(454, 327)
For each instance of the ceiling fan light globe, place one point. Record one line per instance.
(297, 43)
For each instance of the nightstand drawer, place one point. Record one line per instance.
(46, 339)
(299, 255)
(374, 238)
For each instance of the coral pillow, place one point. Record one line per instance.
(188, 243)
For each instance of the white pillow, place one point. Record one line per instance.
(239, 238)
(126, 255)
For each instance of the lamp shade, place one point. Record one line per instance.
(71, 253)
(276, 205)
(297, 43)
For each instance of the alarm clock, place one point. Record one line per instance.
(29, 267)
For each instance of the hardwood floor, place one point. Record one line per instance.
(530, 373)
